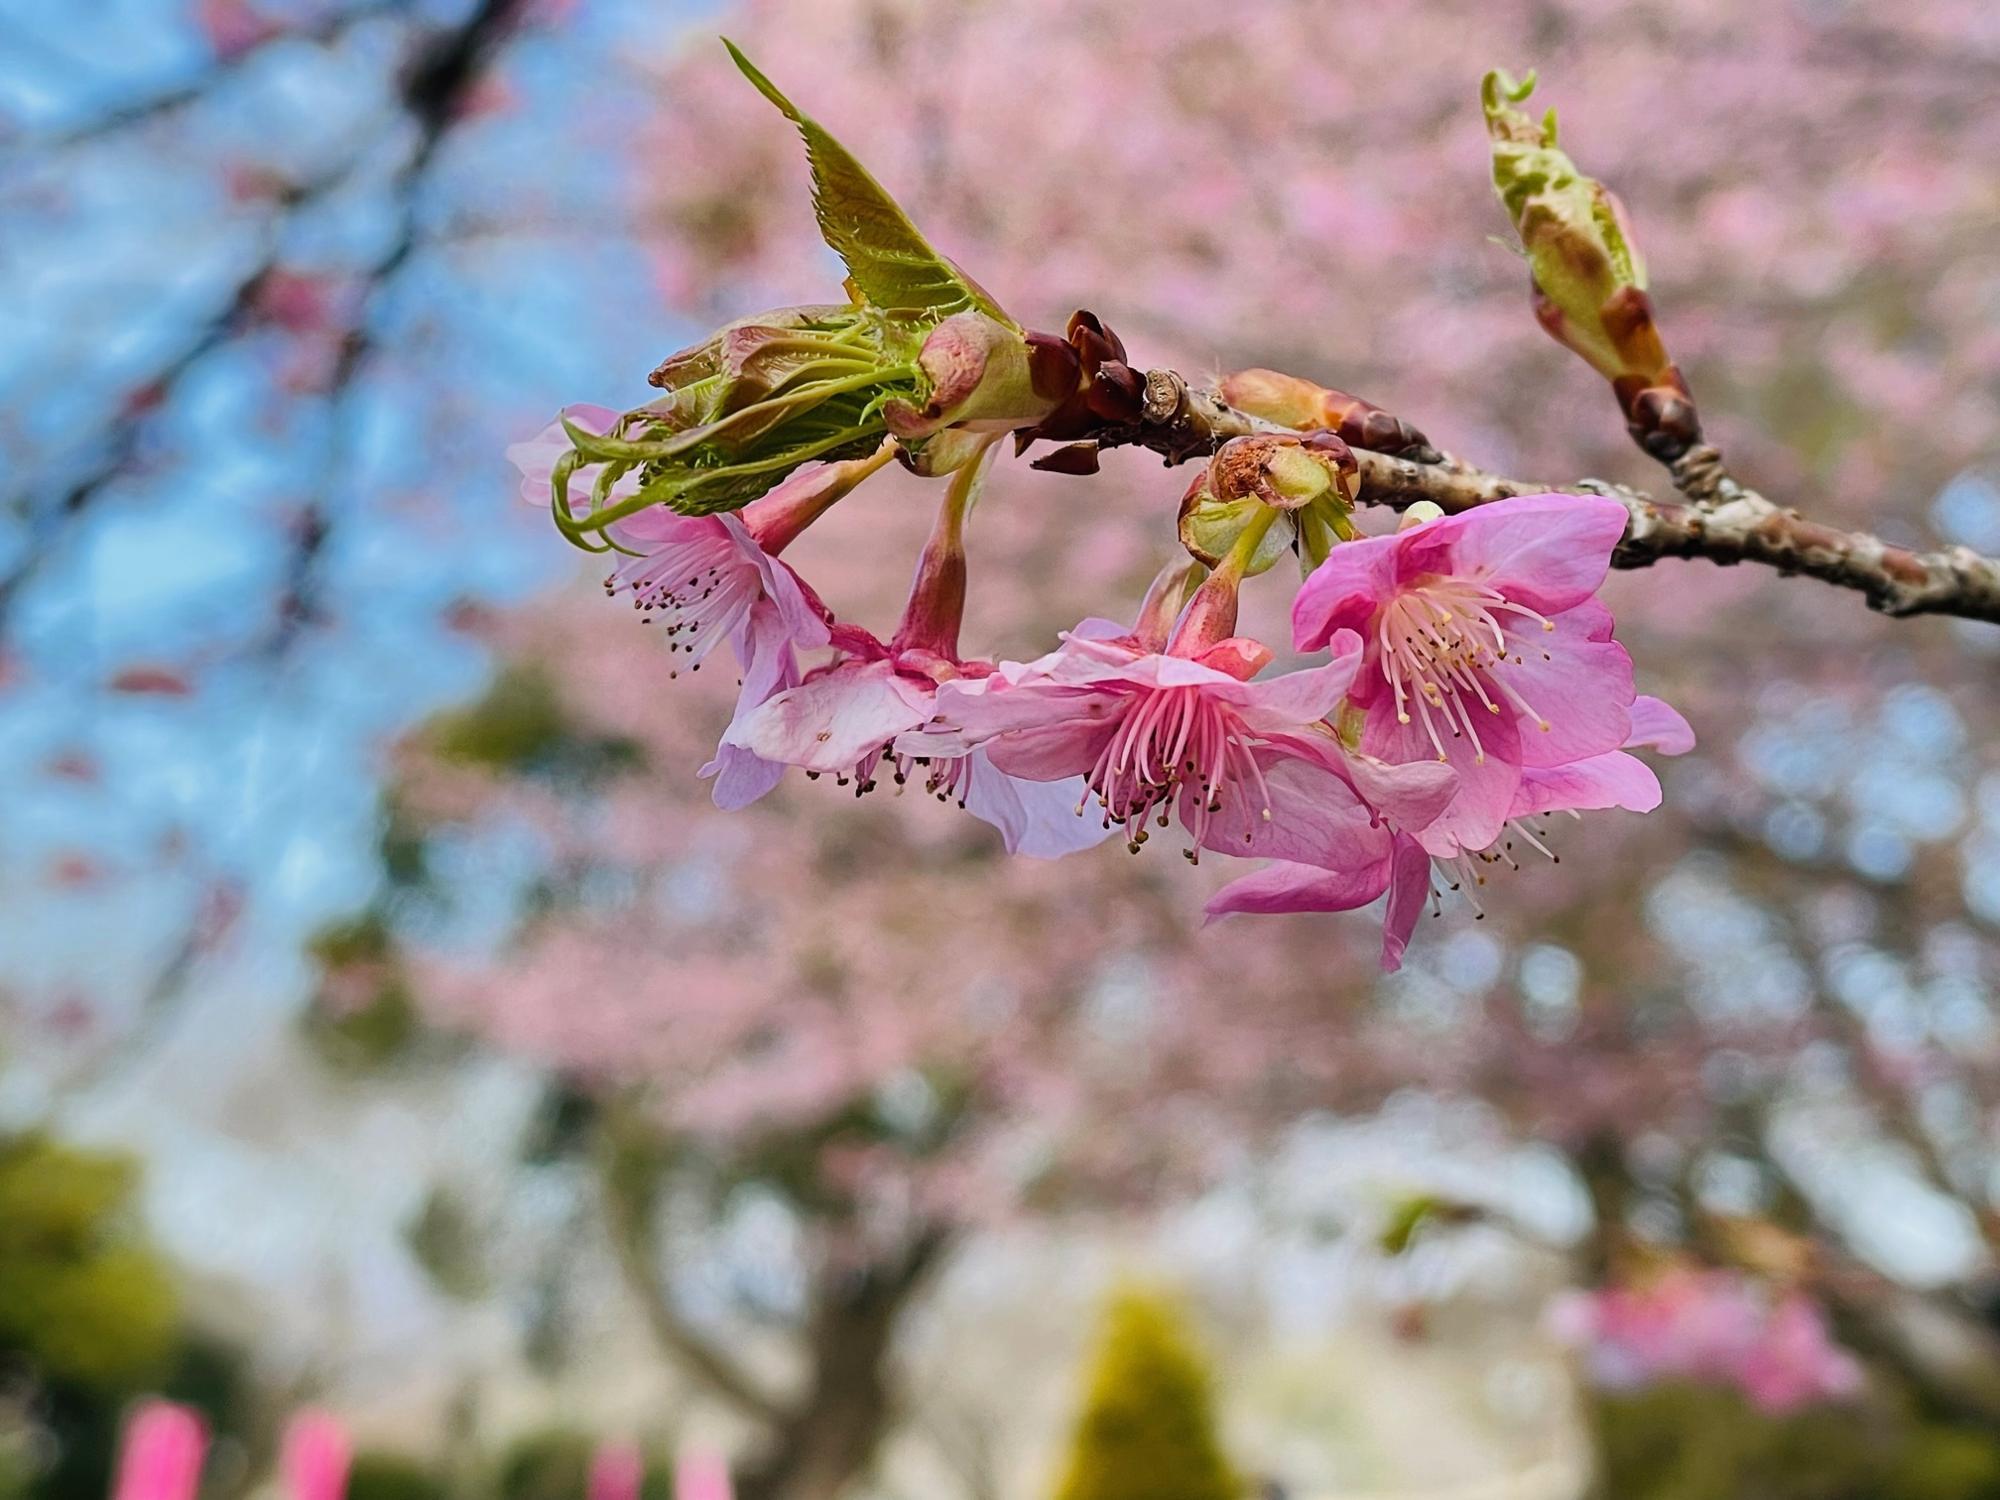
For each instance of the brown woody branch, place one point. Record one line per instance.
(1182, 421)
(628, 1212)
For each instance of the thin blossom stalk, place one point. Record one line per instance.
(866, 707)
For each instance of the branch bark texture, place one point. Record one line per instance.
(1182, 421)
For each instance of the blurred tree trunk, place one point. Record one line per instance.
(816, 1441)
(829, 1437)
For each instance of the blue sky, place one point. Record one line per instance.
(524, 290)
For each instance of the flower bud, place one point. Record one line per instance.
(1299, 404)
(1308, 478)
(1087, 376)
(1589, 281)
(980, 379)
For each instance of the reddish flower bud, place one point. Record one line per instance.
(1300, 404)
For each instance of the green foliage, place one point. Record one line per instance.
(83, 1297)
(16, 1465)
(1689, 1442)
(1147, 1430)
(519, 726)
(892, 265)
(449, 1243)
(550, 1465)
(376, 1028)
(381, 1475)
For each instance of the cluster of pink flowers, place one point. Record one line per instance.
(165, 1445)
(1469, 687)
(1714, 1327)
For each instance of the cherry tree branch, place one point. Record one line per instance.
(323, 31)
(1182, 421)
(438, 83)
(628, 1216)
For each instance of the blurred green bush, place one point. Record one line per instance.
(1691, 1442)
(83, 1297)
(1147, 1429)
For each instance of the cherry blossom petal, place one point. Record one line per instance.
(979, 711)
(769, 666)
(805, 617)
(1303, 814)
(1344, 592)
(1613, 780)
(1486, 785)
(1659, 726)
(1549, 552)
(1305, 696)
(833, 719)
(1576, 678)
(1281, 888)
(1036, 818)
(1409, 891)
(536, 459)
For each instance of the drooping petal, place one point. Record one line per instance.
(1036, 818)
(834, 718)
(1657, 725)
(1409, 890)
(1280, 888)
(769, 665)
(805, 618)
(1549, 552)
(741, 776)
(1613, 780)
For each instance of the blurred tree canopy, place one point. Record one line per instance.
(84, 1298)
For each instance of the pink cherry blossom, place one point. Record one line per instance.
(1409, 872)
(164, 1446)
(849, 716)
(1246, 765)
(1485, 648)
(1716, 1327)
(315, 1457)
(617, 1472)
(713, 578)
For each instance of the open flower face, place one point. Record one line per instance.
(1157, 736)
(1485, 647)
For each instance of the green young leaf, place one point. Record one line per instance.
(890, 261)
